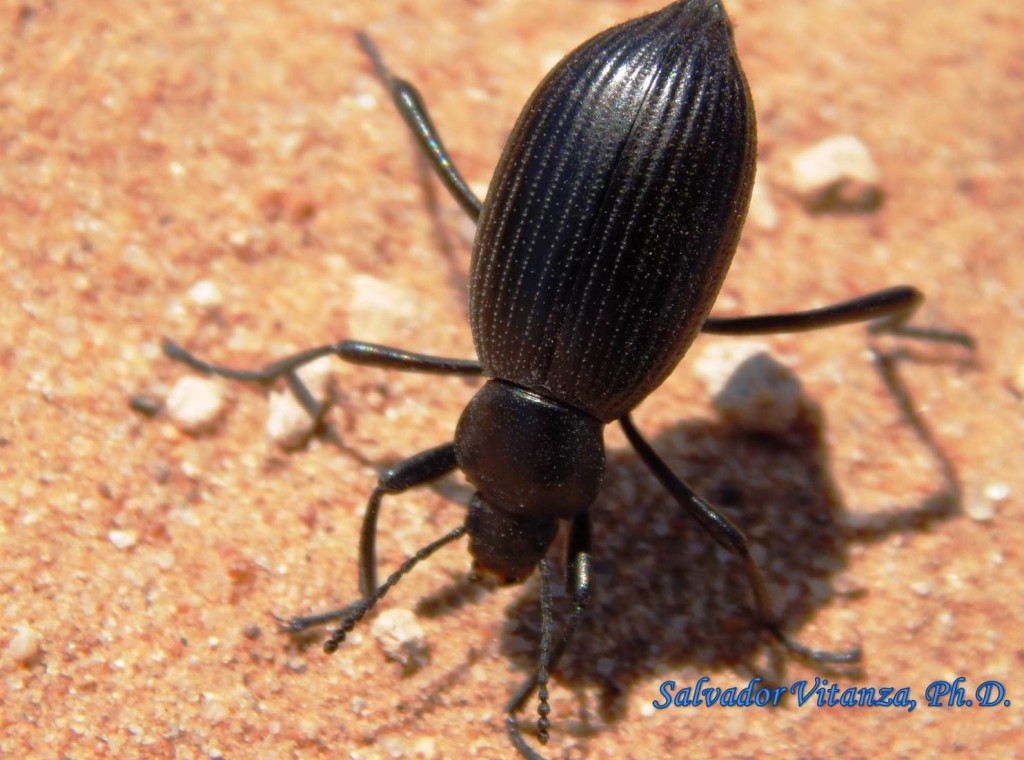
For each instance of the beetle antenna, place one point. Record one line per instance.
(360, 608)
(546, 626)
(548, 655)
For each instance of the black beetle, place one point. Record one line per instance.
(604, 238)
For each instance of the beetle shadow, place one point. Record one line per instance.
(666, 599)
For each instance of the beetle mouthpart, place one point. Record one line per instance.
(505, 546)
(489, 578)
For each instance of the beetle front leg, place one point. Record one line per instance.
(730, 538)
(415, 471)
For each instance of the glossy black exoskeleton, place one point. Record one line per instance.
(604, 238)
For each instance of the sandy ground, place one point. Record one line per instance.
(148, 146)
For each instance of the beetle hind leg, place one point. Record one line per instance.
(730, 538)
(886, 312)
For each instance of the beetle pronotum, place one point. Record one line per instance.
(606, 233)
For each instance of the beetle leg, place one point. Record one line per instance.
(887, 311)
(577, 582)
(730, 538)
(415, 471)
(414, 113)
(352, 351)
(355, 352)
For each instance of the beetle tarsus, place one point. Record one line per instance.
(842, 657)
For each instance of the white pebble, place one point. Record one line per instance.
(25, 645)
(400, 637)
(981, 502)
(288, 423)
(366, 101)
(762, 213)
(122, 539)
(761, 396)
(997, 491)
(980, 509)
(206, 295)
(195, 404)
(717, 361)
(837, 173)
(240, 238)
(316, 376)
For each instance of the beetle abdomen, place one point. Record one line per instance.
(615, 210)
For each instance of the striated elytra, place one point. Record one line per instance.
(614, 212)
(609, 225)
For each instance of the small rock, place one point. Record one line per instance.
(24, 646)
(425, 746)
(122, 539)
(762, 213)
(718, 360)
(145, 403)
(400, 637)
(288, 423)
(206, 295)
(195, 404)
(761, 396)
(981, 503)
(837, 174)
(997, 491)
(980, 509)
